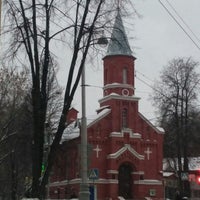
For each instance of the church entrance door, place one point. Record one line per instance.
(125, 181)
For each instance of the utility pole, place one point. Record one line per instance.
(84, 193)
(84, 186)
(0, 13)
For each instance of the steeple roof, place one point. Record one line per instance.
(119, 44)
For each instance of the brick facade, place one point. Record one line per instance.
(125, 148)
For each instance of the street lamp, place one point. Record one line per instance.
(84, 193)
(84, 187)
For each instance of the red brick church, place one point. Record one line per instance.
(125, 151)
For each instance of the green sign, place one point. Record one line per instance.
(43, 168)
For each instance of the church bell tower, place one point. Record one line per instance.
(119, 63)
(119, 83)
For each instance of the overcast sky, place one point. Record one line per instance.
(155, 39)
(159, 39)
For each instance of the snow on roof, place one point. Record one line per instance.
(160, 129)
(148, 198)
(121, 198)
(113, 93)
(194, 163)
(99, 116)
(102, 108)
(111, 84)
(117, 85)
(29, 199)
(117, 96)
(71, 131)
(172, 163)
(168, 174)
(157, 129)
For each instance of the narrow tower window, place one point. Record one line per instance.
(98, 131)
(125, 72)
(106, 76)
(124, 118)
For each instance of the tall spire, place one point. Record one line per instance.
(119, 44)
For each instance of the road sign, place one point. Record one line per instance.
(184, 176)
(94, 174)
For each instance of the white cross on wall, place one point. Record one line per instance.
(97, 149)
(148, 152)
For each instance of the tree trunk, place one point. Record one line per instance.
(38, 141)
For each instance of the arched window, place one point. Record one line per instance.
(124, 75)
(124, 118)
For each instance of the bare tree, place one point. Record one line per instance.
(175, 96)
(16, 128)
(15, 135)
(36, 27)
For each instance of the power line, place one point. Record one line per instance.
(156, 90)
(153, 88)
(137, 72)
(179, 24)
(181, 18)
(145, 83)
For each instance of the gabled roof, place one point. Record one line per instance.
(71, 132)
(157, 129)
(99, 116)
(119, 44)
